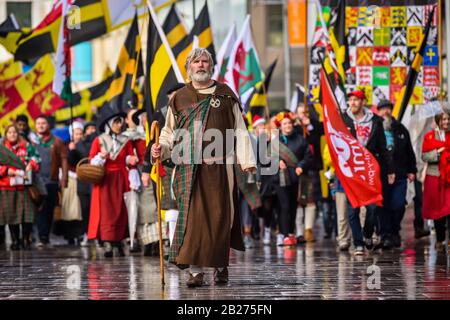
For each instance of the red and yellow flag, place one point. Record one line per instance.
(31, 94)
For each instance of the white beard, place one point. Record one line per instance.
(200, 77)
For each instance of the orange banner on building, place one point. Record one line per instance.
(297, 20)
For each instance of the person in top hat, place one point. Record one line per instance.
(167, 202)
(111, 149)
(147, 228)
(399, 145)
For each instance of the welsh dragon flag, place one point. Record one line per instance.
(61, 82)
(223, 57)
(244, 71)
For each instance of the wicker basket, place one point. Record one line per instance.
(89, 173)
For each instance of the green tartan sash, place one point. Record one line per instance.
(7, 157)
(185, 173)
(249, 190)
(285, 154)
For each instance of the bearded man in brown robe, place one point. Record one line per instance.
(205, 188)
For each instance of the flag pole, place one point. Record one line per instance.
(154, 134)
(68, 61)
(193, 10)
(287, 56)
(441, 84)
(447, 38)
(306, 61)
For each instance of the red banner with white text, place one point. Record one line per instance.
(356, 168)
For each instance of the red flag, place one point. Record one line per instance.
(357, 169)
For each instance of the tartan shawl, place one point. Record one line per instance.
(7, 157)
(249, 190)
(185, 173)
(285, 153)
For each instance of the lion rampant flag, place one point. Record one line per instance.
(31, 94)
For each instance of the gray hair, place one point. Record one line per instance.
(198, 52)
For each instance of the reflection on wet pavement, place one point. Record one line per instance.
(311, 271)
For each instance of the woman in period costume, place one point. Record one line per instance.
(71, 217)
(436, 193)
(84, 189)
(147, 218)
(109, 218)
(18, 159)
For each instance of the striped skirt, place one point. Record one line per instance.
(16, 207)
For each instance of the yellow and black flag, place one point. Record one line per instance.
(203, 32)
(162, 72)
(11, 32)
(257, 102)
(88, 19)
(338, 41)
(413, 73)
(174, 27)
(129, 68)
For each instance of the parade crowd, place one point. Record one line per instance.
(40, 194)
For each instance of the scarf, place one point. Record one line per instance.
(112, 142)
(185, 173)
(45, 139)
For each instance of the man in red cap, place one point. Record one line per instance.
(368, 129)
(357, 93)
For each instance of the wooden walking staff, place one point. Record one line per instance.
(154, 134)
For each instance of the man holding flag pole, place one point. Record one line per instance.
(208, 223)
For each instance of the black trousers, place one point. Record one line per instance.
(267, 209)
(85, 200)
(418, 220)
(45, 215)
(2, 235)
(287, 201)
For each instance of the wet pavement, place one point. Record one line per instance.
(312, 271)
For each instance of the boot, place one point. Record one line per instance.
(309, 235)
(14, 229)
(221, 277)
(26, 235)
(195, 281)
(148, 250)
(119, 247)
(421, 232)
(156, 249)
(108, 249)
(2, 236)
(136, 248)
